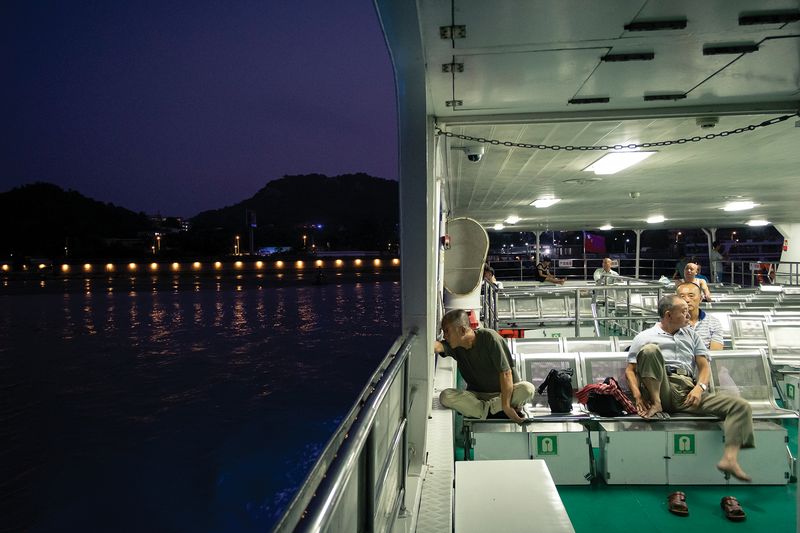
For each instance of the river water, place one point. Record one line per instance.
(154, 409)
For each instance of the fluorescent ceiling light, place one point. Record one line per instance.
(613, 162)
(757, 222)
(739, 206)
(545, 202)
(513, 219)
(606, 227)
(498, 227)
(657, 219)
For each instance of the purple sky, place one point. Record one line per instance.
(180, 106)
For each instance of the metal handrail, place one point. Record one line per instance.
(314, 504)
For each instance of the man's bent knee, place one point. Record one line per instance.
(447, 396)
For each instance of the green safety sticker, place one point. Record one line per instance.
(555, 335)
(546, 445)
(684, 444)
(790, 391)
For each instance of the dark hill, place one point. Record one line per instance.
(41, 219)
(356, 211)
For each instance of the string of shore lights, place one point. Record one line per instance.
(605, 148)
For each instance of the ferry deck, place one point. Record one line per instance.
(505, 111)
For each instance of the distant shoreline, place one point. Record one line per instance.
(145, 282)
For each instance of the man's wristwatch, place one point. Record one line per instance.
(703, 386)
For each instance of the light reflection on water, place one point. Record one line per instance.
(200, 410)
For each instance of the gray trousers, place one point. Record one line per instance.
(673, 389)
(481, 404)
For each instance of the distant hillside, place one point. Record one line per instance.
(355, 211)
(40, 219)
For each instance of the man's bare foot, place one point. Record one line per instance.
(732, 467)
(652, 411)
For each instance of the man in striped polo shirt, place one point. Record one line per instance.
(707, 327)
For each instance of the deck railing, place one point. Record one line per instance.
(358, 482)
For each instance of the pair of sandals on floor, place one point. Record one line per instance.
(730, 506)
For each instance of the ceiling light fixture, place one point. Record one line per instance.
(613, 162)
(607, 227)
(545, 202)
(757, 222)
(513, 219)
(656, 219)
(498, 227)
(739, 205)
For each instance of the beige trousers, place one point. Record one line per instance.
(481, 404)
(673, 389)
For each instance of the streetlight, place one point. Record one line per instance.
(236, 246)
(304, 240)
(158, 242)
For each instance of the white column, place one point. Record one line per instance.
(788, 273)
(711, 236)
(419, 216)
(538, 235)
(638, 233)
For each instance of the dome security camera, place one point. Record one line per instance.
(474, 153)
(707, 122)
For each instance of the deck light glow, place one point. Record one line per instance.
(279, 264)
(318, 262)
(153, 266)
(545, 202)
(376, 262)
(196, 265)
(42, 266)
(64, 268)
(217, 265)
(176, 266)
(656, 219)
(498, 227)
(109, 267)
(6, 268)
(132, 266)
(607, 227)
(357, 262)
(395, 261)
(613, 162)
(513, 219)
(298, 264)
(739, 206)
(87, 267)
(259, 264)
(758, 222)
(339, 262)
(238, 264)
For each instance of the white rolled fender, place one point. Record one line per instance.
(463, 263)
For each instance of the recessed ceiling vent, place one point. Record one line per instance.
(721, 49)
(638, 56)
(656, 25)
(775, 17)
(583, 181)
(599, 100)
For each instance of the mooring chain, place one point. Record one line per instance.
(685, 140)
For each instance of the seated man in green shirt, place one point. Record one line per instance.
(485, 363)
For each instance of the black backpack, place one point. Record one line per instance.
(558, 384)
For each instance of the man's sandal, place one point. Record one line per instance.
(733, 511)
(677, 504)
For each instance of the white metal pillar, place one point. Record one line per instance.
(711, 236)
(638, 233)
(789, 268)
(538, 236)
(419, 217)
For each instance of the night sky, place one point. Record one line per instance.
(177, 107)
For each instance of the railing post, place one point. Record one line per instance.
(577, 312)
(406, 397)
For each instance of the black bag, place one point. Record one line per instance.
(558, 384)
(604, 404)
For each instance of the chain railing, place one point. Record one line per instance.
(605, 148)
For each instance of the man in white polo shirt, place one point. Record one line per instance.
(668, 371)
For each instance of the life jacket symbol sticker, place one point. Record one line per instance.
(684, 444)
(790, 391)
(546, 445)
